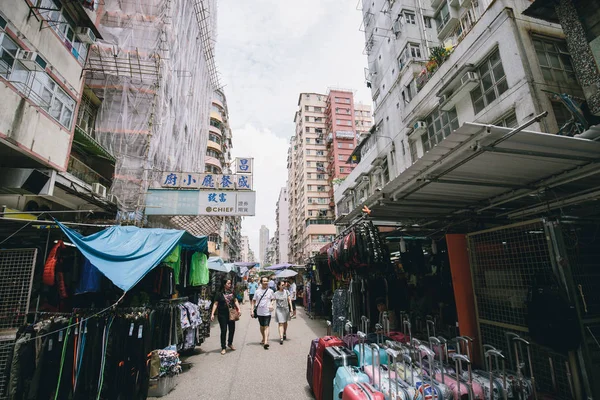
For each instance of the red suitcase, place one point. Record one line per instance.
(328, 341)
(318, 378)
(361, 391)
(310, 359)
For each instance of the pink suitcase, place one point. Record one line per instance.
(361, 391)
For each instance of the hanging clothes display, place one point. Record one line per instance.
(199, 274)
(339, 309)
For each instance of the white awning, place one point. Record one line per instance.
(480, 172)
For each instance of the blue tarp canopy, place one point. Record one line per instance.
(125, 254)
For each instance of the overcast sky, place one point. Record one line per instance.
(269, 51)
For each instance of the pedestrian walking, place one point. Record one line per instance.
(262, 306)
(282, 312)
(293, 295)
(272, 284)
(252, 286)
(228, 311)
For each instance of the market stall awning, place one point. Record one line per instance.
(217, 264)
(125, 254)
(483, 172)
(278, 266)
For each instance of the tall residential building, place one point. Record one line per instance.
(326, 133)
(245, 248)
(271, 257)
(263, 243)
(282, 218)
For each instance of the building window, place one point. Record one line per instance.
(427, 21)
(319, 131)
(318, 109)
(86, 117)
(508, 121)
(214, 138)
(342, 170)
(307, 129)
(320, 153)
(413, 151)
(307, 118)
(309, 188)
(340, 145)
(8, 52)
(411, 51)
(351, 146)
(320, 176)
(340, 157)
(410, 18)
(306, 108)
(307, 152)
(213, 153)
(561, 114)
(212, 169)
(440, 124)
(492, 82)
(308, 163)
(308, 175)
(555, 61)
(443, 16)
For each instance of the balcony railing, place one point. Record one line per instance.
(82, 171)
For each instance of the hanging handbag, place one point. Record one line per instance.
(234, 315)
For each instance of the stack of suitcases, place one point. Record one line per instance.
(396, 366)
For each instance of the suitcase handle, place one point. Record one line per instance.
(379, 334)
(445, 353)
(375, 351)
(516, 341)
(459, 359)
(467, 341)
(392, 355)
(328, 328)
(341, 321)
(496, 354)
(431, 357)
(430, 323)
(361, 348)
(433, 340)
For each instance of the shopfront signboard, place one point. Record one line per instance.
(200, 202)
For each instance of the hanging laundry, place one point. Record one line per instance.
(199, 274)
(51, 262)
(89, 280)
(173, 260)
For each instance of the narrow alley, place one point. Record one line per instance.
(250, 372)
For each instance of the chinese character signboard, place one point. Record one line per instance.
(243, 165)
(200, 202)
(186, 180)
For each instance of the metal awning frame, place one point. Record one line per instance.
(393, 203)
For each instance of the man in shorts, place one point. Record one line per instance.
(264, 299)
(252, 286)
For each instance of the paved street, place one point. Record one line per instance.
(250, 372)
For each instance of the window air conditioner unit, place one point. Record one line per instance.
(31, 60)
(464, 3)
(112, 199)
(419, 127)
(86, 35)
(443, 99)
(397, 28)
(469, 79)
(99, 189)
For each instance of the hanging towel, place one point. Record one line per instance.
(51, 262)
(199, 270)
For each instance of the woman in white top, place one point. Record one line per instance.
(282, 312)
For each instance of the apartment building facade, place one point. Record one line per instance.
(282, 215)
(327, 126)
(49, 160)
(432, 69)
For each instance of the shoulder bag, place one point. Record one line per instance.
(234, 315)
(255, 311)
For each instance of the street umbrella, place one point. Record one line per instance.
(245, 264)
(217, 264)
(286, 273)
(278, 266)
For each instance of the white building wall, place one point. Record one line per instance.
(496, 29)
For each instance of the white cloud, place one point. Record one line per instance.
(268, 52)
(270, 172)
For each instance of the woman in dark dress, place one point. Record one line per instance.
(223, 301)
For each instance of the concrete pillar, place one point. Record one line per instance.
(464, 295)
(583, 58)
